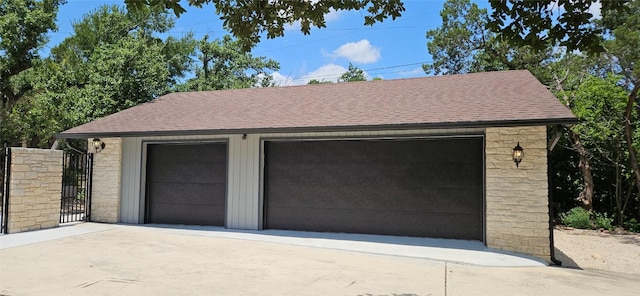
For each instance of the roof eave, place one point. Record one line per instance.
(443, 125)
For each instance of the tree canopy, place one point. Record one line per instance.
(534, 23)
(353, 74)
(116, 59)
(247, 20)
(23, 30)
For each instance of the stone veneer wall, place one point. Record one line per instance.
(105, 198)
(517, 214)
(35, 189)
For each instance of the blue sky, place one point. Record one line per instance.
(389, 50)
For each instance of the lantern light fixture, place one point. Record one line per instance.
(98, 145)
(518, 154)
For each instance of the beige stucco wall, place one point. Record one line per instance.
(105, 198)
(517, 216)
(35, 188)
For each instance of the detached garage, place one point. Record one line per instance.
(425, 157)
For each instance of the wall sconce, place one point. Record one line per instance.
(98, 145)
(518, 154)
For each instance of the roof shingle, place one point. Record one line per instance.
(469, 100)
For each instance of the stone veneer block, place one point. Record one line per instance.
(35, 189)
(105, 198)
(517, 213)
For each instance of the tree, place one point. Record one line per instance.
(225, 65)
(463, 44)
(247, 20)
(538, 23)
(23, 28)
(113, 61)
(534, 23)
(353, 74)
(316, 81)
(624, 50)
(600, 103)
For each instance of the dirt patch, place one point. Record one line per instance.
(595, 249)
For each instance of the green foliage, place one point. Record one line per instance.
(248, 20)
(113, 61)
(577, 218)
(353, 74)
(23, 28)
(315, 81)
(536, 23)
(225, 65)
(463, 44)
(601, 220)
(632, 225)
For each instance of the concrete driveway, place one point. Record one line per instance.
(100, 259)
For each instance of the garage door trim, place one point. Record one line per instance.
(144, 206)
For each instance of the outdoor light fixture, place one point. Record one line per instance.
(518, 154)
(98, 145)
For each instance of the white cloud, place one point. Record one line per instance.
(412, 73)
(328, 72)
(281, 80)
(360, 52)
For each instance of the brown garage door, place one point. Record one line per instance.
(426, 187)
(186, 183)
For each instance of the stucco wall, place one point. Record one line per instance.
(105, 198)
(517, 216)
(35, 189)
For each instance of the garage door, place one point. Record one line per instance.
(426, 188)
(186, 183)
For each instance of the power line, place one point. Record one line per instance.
(366, 70)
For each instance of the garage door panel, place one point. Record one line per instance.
(363, 184)
(198, 215)
(441, 225)
(186, 183)
(190, 173)
(187, 193)
(377, 198)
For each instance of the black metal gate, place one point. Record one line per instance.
(77, 169)
(5, 164)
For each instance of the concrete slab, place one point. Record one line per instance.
(65, 230)
(459, 251)
(151, 260)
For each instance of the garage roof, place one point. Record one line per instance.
(506, 98)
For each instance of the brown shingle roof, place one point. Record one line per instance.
(470, 100)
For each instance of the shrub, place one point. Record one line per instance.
(602, 221)
(577, 218)
(632, 225)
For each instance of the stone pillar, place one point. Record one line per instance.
(517, 214)
(105, 197)
(35, 189)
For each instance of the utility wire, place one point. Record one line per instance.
(366, 70)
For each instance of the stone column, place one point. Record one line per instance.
(517, 214)
(35, 189)
(105, 198)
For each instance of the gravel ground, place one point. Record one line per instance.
(593, 249)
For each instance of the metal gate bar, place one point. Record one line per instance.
(5, 175)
